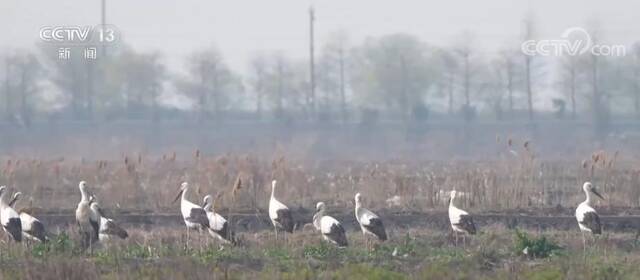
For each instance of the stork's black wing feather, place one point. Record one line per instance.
(198, 216)
(338, 235)
(37, 230)
(14, 228)
(13, 201)
(226, 234)
(112, 228)
(376, 227)
(591, 220)
(285, 219)
(95, 225)
(466, 223)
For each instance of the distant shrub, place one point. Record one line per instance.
(540, 247)
(369, 116)
(420, 112)
(468, 112)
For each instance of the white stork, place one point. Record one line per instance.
(279, 213)
(195, 218)
(88, 223)
(588, 219)
(107, 227)
(9, 217)
(329, 227)
(369, 222)
(461, 221)
(32, 228)
(218, 226)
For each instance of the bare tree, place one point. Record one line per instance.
(28, 71)
(141, 80)
(494, 85)
(70, 75)
(464, 51)
(570, 76)
(212, 82)
(8, 87)
(258, 80)
(393, 71)
(285, 84)
(600, 108)
(508, 73)
(635, 80)
(450, 65)
(528, 34)
(331, 77)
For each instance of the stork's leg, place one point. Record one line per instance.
(455, 233)
(220, 244)
(584, 244)
(275, 229)
(464, 241)
(214, 241)
(85, 240)
(364, 237)
(284, 236)
(186, 246)
(366, 242)
(82, 238)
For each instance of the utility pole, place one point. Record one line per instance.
(7, 85)
(104, 22)
(312, 64)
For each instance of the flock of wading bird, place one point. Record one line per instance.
(94, 226)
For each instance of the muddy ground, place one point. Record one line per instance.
(613, 220)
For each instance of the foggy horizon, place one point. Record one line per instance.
(177, 30)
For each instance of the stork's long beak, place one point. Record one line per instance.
(178, 196)
(598, 194)
(13, 201)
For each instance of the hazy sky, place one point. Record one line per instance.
(240, 27)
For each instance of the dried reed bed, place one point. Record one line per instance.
(516, 179)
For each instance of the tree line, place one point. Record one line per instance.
(395, 77)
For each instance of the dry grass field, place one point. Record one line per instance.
(516, 184)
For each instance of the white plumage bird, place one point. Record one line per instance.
(218, 225)
(329, 227)
(369, 222)
(107, 227)
(588, 219)
(88, 223)
(32, 228)
(279, 213)
(195, 218)
(9, 218)
(461, 221)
